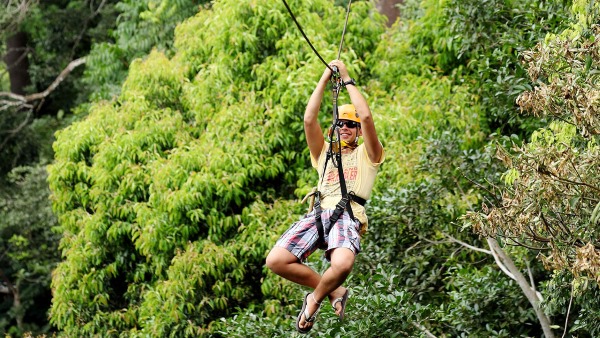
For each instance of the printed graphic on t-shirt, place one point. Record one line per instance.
(331, 186)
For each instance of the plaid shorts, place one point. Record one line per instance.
(301, 238)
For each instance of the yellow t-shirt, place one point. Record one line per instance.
(359, 174)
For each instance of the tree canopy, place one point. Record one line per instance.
(168, 175)
(188, 159)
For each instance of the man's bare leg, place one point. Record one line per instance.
(286, 265)
(342, 261)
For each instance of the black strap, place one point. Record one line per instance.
(341, 206)
(357, 199)
(317, 206)
(339, 209)
(318, 220)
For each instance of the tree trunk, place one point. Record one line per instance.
(14, 291)
(19, 315)
(17, 63)
(525, 287)
(390, 9)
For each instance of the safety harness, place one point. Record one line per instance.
(343, 204)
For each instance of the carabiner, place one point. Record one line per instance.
(336, 78)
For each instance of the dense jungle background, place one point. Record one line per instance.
(152, 151)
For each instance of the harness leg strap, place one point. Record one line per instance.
(318, 220)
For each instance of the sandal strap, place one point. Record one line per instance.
(312, 318)
(315, 300)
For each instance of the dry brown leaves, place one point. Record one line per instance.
(553, 182)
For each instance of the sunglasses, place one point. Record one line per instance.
(349, 124)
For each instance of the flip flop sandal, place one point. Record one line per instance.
(309, 318)
(342, 300)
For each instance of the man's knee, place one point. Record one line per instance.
(272, 261)
(343, 268)
(278, 259)
(342, 261)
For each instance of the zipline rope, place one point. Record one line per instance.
(344, 31)
(310, 44)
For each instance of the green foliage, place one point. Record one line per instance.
(161, 195)
(555, 173)
(421, 217)
(413, 106)
(59, 32)
(27, 141)
(560, 160)
(489, 37)
(378, 307)
(141, 26)
(486, 303)
(29, 249)
(580, 295)
(17, 149)
(170, 196)
(476, 43)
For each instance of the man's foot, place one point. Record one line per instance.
(308, 314)
(335, 299)
(338, 300)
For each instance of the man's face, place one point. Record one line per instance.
(348, 130)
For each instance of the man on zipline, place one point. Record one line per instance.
(341, 241)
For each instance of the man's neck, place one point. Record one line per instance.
(349, 148)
